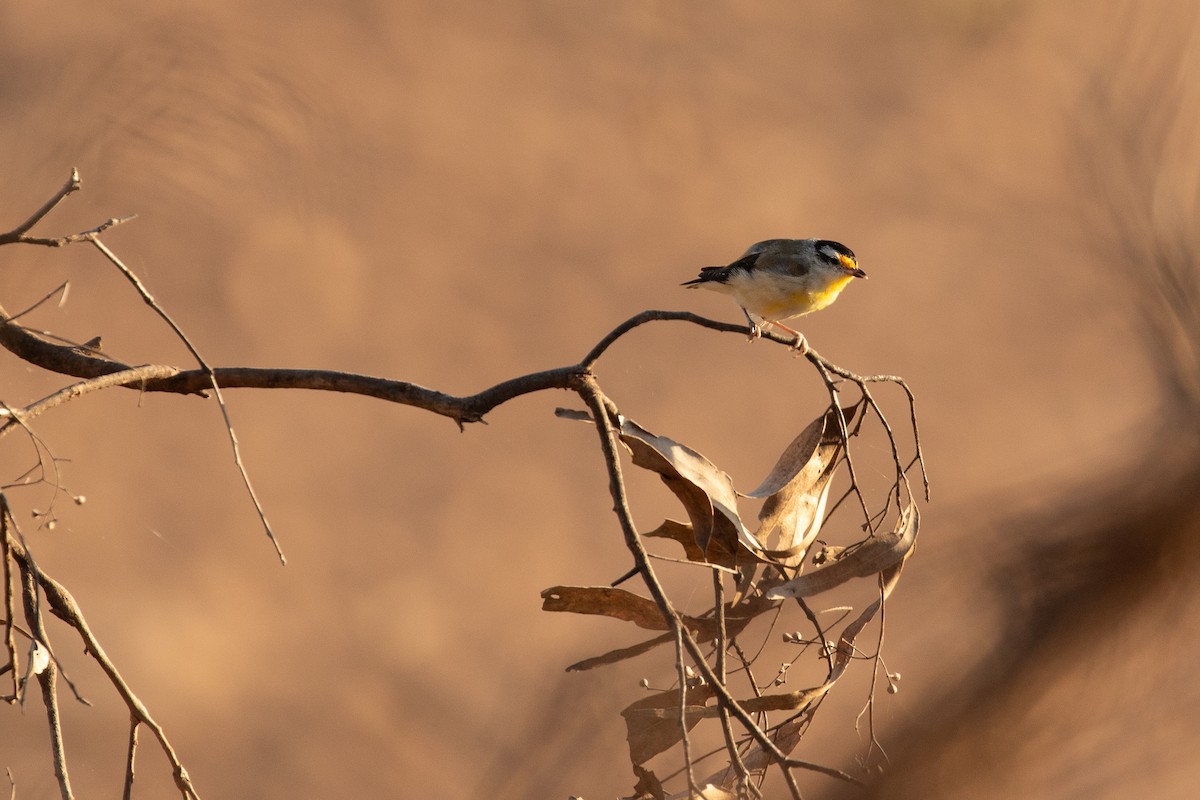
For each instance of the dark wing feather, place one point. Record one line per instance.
(721, 274)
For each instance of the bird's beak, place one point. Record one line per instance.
(851, 266)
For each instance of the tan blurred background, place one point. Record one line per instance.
(454, 194)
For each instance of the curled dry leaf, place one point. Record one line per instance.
(797, 488)
(822, 437)
(652, 723)
(680, 532)
(872, 556)
(706, 491)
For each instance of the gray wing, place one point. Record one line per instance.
(774, 244)
(783, 256)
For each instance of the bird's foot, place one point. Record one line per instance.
(800, 346)
(755, 329)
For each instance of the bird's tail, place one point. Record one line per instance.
(710, 275)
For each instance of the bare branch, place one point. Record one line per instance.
(74, 238)
(72, 185)
(722, 642)
(131, 754)
(681, 672)
(127, 377)
(47, 677)
(9, 641)
(63, 605)
(63, 289)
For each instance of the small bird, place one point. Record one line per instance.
(783, 278)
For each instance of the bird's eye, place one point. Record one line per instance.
(836, 253)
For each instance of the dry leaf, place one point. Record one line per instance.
(680, 532)
(871, 557)
(623, 605)
(797, 488)
(648, 787)
(609, 601)
(798, 516)
(822, 434)
(620, 654)
(605, 601)
(652, 723)
(706, 492)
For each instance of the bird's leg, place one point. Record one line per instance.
(755, 328)
(800, 346)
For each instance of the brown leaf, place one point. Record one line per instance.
(620, 654)
(620, 604)
(680, 532)
(648, 787)
(797, 488)
(822, 433)
(605, 601)
(652, 723)
(798, 516)
(706, 492)
(872, 556)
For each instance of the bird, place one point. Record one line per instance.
(778, 279)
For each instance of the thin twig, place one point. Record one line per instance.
(705, 564)
(9, 641)
(681, 670)
(722, 642)
(73, 238)
(876, 662)
(861, 381)
(43, 452)
(47, 677)
(65, 608)
(15, 544)
(843, 430)
(72, 185)
(131, 754)
(208, 370)
(63, 287)
(66, 394)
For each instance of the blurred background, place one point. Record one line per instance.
(454, 194)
